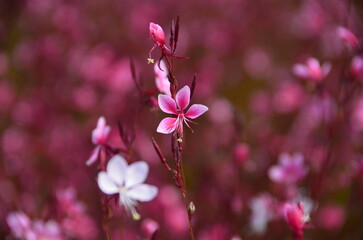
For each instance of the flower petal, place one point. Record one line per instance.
(136, 173)
(300, 70)
(183, 97)
(276, 174)
(313, 64)
(143, 192)
(106, 184)
(101, 122)
(167, 125)
(196, 110)
(93, 156)
(116, 169)
(326, 69)
(167, 104)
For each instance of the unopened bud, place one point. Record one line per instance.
(157, 34)
(191, 209)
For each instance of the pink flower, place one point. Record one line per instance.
(20, 226)
(312, 70)
(331, 217)
(99, 137)
(356, 68)
(176, 107)
(296, 218)
(290, 169)
(161, 77)
(49, 230)
(157, 34)
(23, 228)
(241, 153)
(348, 37)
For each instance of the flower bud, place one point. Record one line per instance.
(157, 34)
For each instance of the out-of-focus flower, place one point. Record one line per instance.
(20, 226)
(99, 137)
(331, 217)
(257, 62)
(149, 228)
(288, 97)
(76, 223)
(348, 37)
(177, 106)
(157, 34)
(356, 68)
(290, 169)
(241, 153)
(127, 181)
(47, 230)
(23, 228)
(68, 202)
(235, 237)
(296, 218)
(357, 115)
(216, 232)
(221, 111)
(312, 70)
(262, 212)
(161, 77)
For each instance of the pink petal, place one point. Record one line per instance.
(183, 98)
(167, 104)
(300, 70)
(313, 64)
(93, 156)
(276, 174)
(167, 125)
(101, 122)
(196, 110)
(326, 69)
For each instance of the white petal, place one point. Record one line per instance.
(106, 184)
(143, 192)
(136, 173)
(116, 169)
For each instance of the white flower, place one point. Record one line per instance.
(127, 181)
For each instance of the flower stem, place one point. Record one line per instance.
(184, 186)
(106, 218)
(185, 197)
